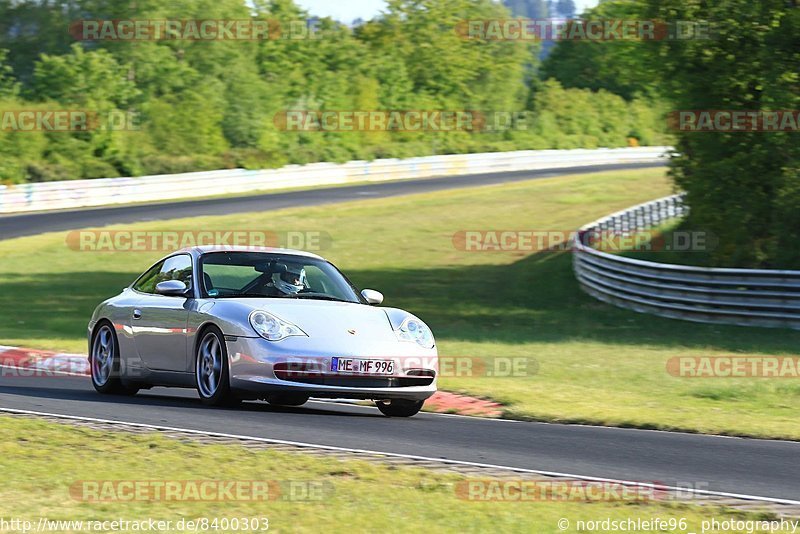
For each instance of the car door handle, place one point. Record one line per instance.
(137, 314)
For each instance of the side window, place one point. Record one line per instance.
(147, 283)
(174, 268)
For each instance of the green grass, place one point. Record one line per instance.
(41, 461)
(597, 364)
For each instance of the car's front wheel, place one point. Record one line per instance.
(105, 363)
(399, 407)
(211, 369)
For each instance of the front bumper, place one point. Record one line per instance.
(258, 368)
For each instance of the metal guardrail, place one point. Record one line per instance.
(748, 297)
(72, 194)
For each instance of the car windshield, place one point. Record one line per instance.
(272, 275)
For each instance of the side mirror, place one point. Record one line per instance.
(372, 296)
(171, 288)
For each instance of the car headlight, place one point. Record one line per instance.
(273, 328)
(415, 330)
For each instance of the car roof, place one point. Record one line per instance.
(205, 249)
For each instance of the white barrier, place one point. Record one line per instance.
(98, 192)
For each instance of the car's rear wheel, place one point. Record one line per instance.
(105, 363)
(211, 369)
(287, 399)
(399, 407)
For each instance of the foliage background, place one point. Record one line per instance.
(207, 105)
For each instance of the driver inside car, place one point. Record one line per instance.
(290, 281)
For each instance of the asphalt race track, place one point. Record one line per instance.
(742, 466)
(53, 221)
(745, 466)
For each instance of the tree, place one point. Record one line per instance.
(625, 68)
(93, 79)
(29, 28)
(744, 186)
(9, 87)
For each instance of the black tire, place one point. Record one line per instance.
(104, 362)
(287, 399)
(399, 407)
(219, 393)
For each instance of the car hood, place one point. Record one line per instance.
(330, 320)
(347, 328)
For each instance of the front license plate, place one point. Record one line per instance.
(360, 366)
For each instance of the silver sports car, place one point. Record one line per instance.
(257, 323)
